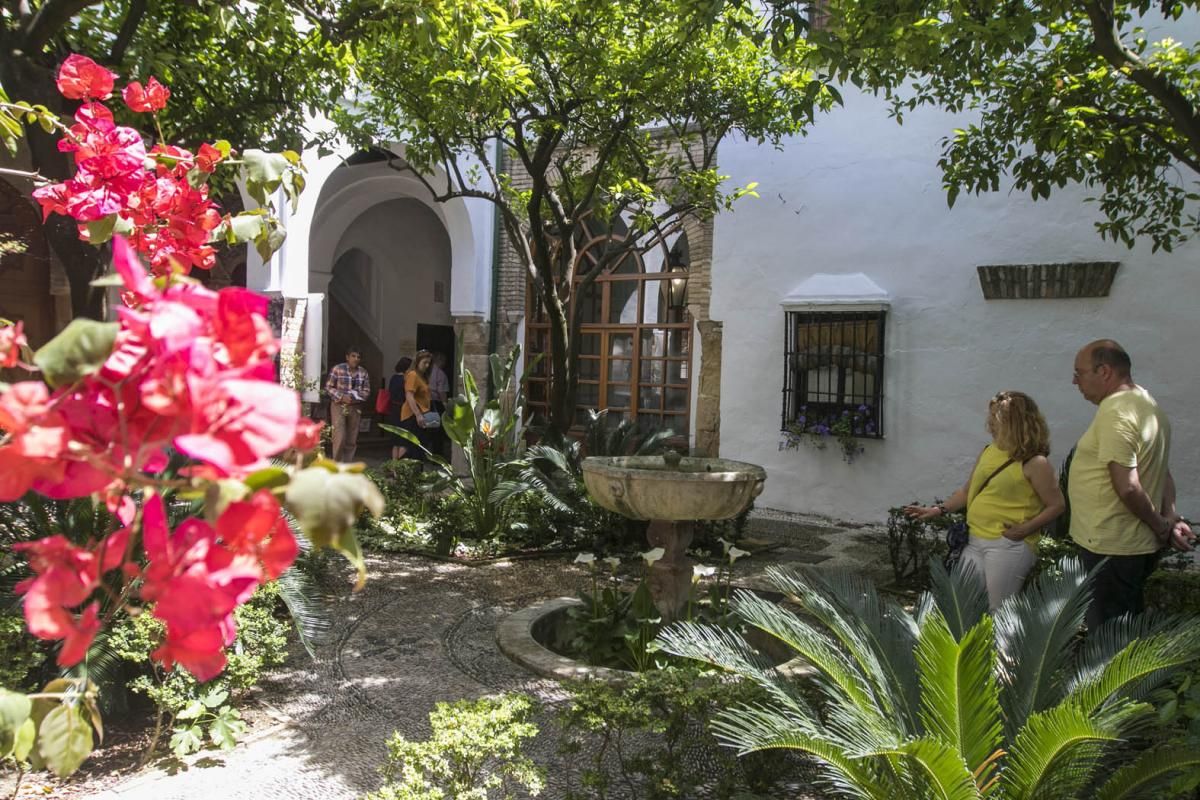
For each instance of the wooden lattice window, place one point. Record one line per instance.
(635, 340)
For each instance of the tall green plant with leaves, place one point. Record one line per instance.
(489, 433)
(949, 702)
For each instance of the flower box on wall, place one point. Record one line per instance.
(1047, 281)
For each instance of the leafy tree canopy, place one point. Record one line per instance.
(1096, 92)
(608, 108)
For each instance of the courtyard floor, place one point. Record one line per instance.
(423, 631)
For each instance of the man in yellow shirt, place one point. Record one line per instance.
(1120, 486)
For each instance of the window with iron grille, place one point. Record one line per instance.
(833, 376)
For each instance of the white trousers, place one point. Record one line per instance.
(1002, 563)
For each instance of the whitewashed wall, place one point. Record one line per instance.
(862, 194)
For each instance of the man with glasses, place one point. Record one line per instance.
(1120, 486)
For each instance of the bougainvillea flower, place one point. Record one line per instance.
(207, 157)
(201, 652)
(151, 98)
(80, 78)
(308, 435)
(257, 528)
(12, 339)
(240, 423)
(79, 636)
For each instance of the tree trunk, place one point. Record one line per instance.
(24, 79)
(563, 376)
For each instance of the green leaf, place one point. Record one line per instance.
(14, 713)
(101, 230)
(186, 740)
(112, 279)
(192, 710)
(327, 504)
(215, 698)
(64, 740)
(26, 736)
(267, 478)
(81, 349)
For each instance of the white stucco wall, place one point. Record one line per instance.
(862, 194)
(406, 250)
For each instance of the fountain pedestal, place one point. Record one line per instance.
(673, 492)
(671, 576)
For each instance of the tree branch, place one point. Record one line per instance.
(47, 21)
(129, 26)
(1107, 42)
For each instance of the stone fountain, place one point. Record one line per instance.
(673, 492)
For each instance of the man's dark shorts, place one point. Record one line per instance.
(1117, 588)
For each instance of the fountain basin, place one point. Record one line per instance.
(521, 635)
(657, 488)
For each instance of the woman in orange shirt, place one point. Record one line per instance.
(417, 402)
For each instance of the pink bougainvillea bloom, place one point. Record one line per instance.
(80, 78)
(201, 652)
(79, 636)
(64, 577)
(12, 339)
(151, 98)
(238, 424)
(257, 528)
(308, 435)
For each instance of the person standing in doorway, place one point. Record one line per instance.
(399, 398)
(348, 387)
(1122, 495)
(417, 402)
(439, 393)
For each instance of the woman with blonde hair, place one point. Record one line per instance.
(417, 402)
(1011, 495)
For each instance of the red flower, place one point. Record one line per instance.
(238, 424)
(64, 577)
(207, 157)
(257, 528)
(308, 435)
(12, 339)
(152, 98)
(80, 78)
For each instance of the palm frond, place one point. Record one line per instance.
(308, 604)
(1145, 776)
(1055, 753)
(104, 667)
(755, 728)
(1141, 666)
(849, 608)
(839, 674)
(959, 703)
(960, 594)
(1103, 643)
(1034, 629)
(944, 774)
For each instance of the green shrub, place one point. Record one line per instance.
(653, 730)
(475, 752)
(195, 711)
(1174, 590)
(21, 655)
(913, 542)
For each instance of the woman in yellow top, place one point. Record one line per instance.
(1011, 495)
(417, 402)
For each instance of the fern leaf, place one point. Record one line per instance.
(1144, 777)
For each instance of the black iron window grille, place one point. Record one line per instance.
(833, 376)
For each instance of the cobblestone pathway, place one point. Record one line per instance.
(420, 632)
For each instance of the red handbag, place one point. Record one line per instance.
(383, 401)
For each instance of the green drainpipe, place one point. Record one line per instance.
(492, 322)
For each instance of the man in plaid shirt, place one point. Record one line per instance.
(348, 387)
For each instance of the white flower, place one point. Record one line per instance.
(613, 562)
(701, 571)
(653, 555)
(725, 545)
(585, 558)
(735, 553)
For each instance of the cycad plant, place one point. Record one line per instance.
(950, 702)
